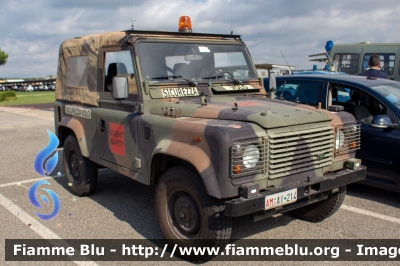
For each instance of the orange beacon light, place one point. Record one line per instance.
(185, 25)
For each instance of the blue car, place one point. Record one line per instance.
(318, 72)
(374, 102)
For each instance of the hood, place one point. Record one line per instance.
(264, 112)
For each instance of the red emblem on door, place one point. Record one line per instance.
(117, 143)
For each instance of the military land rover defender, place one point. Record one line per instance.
(186, 111)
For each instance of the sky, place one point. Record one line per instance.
(32, 31)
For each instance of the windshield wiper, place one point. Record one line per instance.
(235, 81)
(191, 83)
(165, 77)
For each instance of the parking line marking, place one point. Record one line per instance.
(21, 125)
(29, 181)
(39, 228)
(373, 214)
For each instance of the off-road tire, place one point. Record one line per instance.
(80, 173)
(177, 188)
(319, 211)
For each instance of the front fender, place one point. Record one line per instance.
(196, 157)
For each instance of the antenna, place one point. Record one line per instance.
(283, 89)
(291, 72)
(132, 25)
(231, 17)
(133, 16)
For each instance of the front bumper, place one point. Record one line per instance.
(307, 193)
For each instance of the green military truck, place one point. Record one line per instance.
(186, 111)
(353, 58)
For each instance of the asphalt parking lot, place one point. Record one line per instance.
(123, 209)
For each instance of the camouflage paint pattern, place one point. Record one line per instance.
(143, 138)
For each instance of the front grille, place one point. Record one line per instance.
(238, 161)
(350, 138)
(299, 151)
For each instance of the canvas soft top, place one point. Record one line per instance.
(80, 54)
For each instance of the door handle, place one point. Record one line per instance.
(102, 125)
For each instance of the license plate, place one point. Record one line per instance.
(281, 198)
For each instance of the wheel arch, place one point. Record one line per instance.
(168, 154)
(70, 126)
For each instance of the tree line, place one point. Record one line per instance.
(3, 57)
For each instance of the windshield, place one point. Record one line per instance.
(390, 92)
(183, 62)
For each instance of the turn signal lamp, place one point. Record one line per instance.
(185, 25)
(237, 169)
(353, 145)
(197, 139)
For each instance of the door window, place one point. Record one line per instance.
(361, 105)
(305, 92)
(340, 95)
(119, 63)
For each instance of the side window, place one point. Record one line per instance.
(305, 92)
(340, 95)
(347, 63)
(362, 106)
(387, 62)
(75, 71)
(119, 64)
(348, 97)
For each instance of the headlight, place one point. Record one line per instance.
(251, 156)
(339, 140)
(248, 157)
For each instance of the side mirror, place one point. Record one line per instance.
(272, 85)
(382, 121)
(120, 88)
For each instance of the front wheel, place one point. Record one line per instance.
(187, 215)
(80, 172)
(319, 211)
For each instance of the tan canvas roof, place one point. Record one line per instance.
(82, 88)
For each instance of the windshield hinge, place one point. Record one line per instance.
(171, 112)
(138, 108)
(145, 87)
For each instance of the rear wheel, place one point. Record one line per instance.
(187, 215)
(80, 172)
(319, 211)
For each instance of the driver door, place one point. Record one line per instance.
(117, 124)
